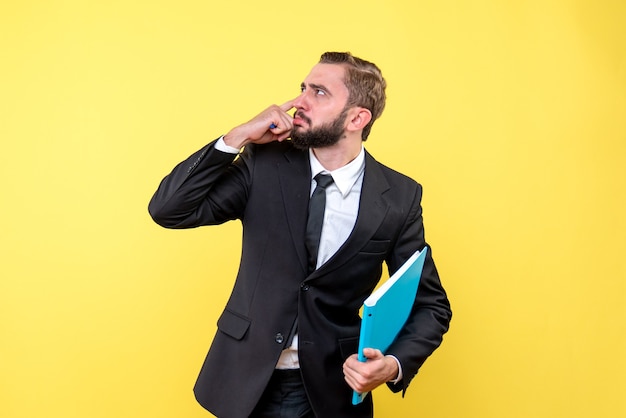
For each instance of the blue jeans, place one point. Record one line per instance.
(284, 397)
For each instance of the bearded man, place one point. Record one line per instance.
(287, 339)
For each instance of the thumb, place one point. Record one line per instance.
(372, 354)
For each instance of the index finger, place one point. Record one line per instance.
(287, 105)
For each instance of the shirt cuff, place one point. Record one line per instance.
(399, 377)
(220, 145)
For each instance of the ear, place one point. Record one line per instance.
(358, 118)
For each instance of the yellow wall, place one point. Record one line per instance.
(511, 114)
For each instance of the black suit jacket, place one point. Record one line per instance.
(267, 188)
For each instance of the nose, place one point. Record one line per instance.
(300, 102)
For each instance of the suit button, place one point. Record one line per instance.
(304, 287)
(279, 338)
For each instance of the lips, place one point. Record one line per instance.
(300, 119)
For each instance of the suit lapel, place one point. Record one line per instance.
(295, 185)
(372, 210)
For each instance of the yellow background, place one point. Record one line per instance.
(511, 114)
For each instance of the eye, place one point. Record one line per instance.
(320, 92)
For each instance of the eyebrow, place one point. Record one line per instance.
(316, 86)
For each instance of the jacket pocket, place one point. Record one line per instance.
(233, 324)
(376, 247)
(348, 346)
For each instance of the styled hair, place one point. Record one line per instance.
(365, 83)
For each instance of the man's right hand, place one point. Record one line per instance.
(259, 129)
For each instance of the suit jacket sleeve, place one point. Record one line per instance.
(431, 314)
(205, 189)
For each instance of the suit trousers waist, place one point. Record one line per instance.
(284, 397)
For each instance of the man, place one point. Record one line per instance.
(287, 339)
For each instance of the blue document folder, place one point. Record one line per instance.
(386, 310)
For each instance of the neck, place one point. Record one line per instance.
(339, 154)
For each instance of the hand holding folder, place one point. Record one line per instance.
(386, 310)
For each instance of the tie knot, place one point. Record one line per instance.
(323, 180)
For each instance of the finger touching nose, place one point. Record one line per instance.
(285, 107)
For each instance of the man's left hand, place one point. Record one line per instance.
(366, 376)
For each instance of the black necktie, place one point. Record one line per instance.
(317, 205)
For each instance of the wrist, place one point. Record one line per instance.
(395, 370)
(235, 139)
(220, 145)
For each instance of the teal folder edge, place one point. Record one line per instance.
(386, 310)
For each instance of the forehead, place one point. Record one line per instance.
(330, 76)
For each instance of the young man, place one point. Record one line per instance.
(287, 339)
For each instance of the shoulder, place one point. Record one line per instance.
(393, 177)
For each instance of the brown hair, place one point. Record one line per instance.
(365, 84)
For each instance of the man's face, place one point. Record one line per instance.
(319, 120)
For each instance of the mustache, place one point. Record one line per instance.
(299, 114)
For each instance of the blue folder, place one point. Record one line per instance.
(386, 310)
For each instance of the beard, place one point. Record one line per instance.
(322, 136)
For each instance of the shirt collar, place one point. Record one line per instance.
(344, 177)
